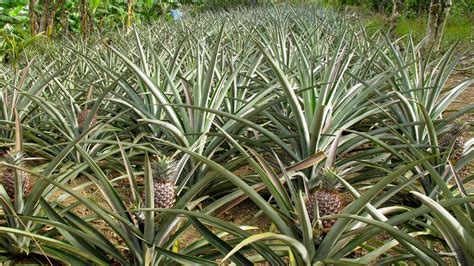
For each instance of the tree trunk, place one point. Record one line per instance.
(84, 19)
(50, 25)
(396, 4)
(44, 16)
(64, 21)
(438, 14)
(32, 14)
(129, 13)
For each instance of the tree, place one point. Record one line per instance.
(44, 16)
(43, 21)
(32, 14)
(86, 19)
(438, 14)
(129, 13)
(396, 5)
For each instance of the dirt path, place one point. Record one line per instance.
(467, 97)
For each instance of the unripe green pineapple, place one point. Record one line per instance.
(328, 197)
(8, 180)
(455, 140)
(164, 177)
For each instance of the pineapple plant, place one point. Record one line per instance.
(328, 198)
(84, 114)
(9, 178)
(455, 140)
(164, 177)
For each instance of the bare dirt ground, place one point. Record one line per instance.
(467, 97)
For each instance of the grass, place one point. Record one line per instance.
(459, 28)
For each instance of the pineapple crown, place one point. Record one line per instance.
(15, 157)
(89, 105)
(458, 126)
(328, 179)
(165, 169)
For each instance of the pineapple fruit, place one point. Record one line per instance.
(328, 198)
(455, 138)
(8, 180)
(164, 176)
(83, 115)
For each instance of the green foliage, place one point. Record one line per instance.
(409, 8)
(280, 92)
(13, 44)
(456, 29)
(15, 14)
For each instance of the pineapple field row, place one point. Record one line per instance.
(116, 149)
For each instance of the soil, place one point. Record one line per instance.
(245, 213)
(466, 97)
